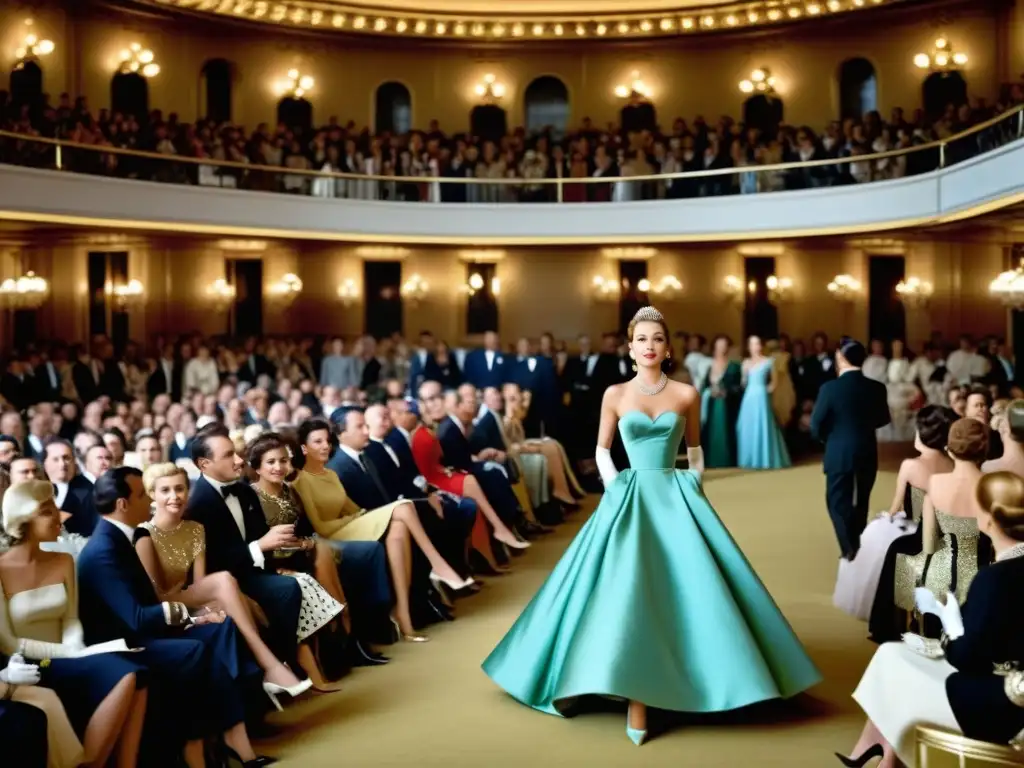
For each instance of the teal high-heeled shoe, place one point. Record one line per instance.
(636, 735)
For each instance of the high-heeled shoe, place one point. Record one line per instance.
(400, 635)
(516, 544)
(636, 735)
(440, 583)
(273, 690)
(875, 750)
(231, 758)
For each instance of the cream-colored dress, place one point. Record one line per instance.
(334, 515)
(784, 394)
(64, 750)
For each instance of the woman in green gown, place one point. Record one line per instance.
(720, 404)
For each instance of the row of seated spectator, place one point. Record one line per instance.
(585, 152)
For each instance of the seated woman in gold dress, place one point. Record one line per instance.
(174, 556)
(335, 516)
(559, 468)
(270, 459)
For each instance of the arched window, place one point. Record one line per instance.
(129, 95)
(858, 88)
(546, 100)
(217, 76)
(940, 89)
(27, 85)
(392, 111)
(764, 113)
(296, 114)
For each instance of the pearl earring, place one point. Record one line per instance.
(634, 366)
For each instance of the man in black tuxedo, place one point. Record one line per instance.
(255, 364)
(199, 674)
(46, 379)
(583, 412)
(16, 384)
(488, 432)
(846, 415)
(237, 536)
(422, 365)
(166, 378)
(72, 492)
(820, 367)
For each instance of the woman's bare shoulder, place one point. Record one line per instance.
(682, 392)
(613, 394)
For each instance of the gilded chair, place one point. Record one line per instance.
(939, 748)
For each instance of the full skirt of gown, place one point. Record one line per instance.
(759, 441)
(654, 602)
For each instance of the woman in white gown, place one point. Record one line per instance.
(969, 681)
(902, 393)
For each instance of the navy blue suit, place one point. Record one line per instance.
(476, 372)
(486, 433)
(280, 597)
(197, 673)
(79, 504)
(177, 452)
(459, 455)
(421, 370)
(545, 393)
(846, 414)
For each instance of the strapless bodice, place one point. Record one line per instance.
(652, 443)
(39, 613)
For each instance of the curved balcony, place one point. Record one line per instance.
(965, 175)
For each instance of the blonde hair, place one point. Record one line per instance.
(21, 503)
(1001, 494)
(156, 472)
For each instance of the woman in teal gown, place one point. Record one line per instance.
(653, 601)
(760, 444)
(719, 403)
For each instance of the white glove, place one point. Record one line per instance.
(695, 458)
(605, 466)
(19, 673)
(949, 614)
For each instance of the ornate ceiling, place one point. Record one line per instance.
(520, 20)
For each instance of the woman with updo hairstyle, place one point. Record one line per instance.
(759, 441)
(952, 548)
(868, 579)
(104, 694)
(970, 680)
(1011, 430)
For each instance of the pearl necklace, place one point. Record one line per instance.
(1017, 550)
(651, 391)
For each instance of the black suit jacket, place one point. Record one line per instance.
(79, 503)
(157, 383)
(112, 381)
(17, 391)
(358, 484)
(43, 385)
(226, 550)
(993, 634)
(407, 462)
(116, 599)
(846, 415)
(85, 383)
(262, 366)
(457, 452)
(399, 478)
(486, 433)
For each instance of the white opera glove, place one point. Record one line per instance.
(19, 673)
(605, 466)
(948, 612)
(695, 458)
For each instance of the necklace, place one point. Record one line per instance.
(1017, 550)
(651, 391)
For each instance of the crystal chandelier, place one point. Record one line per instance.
(27, 292)
(130, 295)
(415, 289)
(761, 81)
(32, 48)
(914, 292)
(844, 287)
(942, 59)
(1009, 288)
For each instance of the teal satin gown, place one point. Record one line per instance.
(653, 602)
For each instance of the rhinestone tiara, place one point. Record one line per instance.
(649, 315)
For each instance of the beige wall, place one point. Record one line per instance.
(695, 75)
(540, 289)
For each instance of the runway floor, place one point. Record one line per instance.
(433, 706)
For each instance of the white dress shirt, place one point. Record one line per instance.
(235, 508)
(419, 481)
(489, 356)
(62, 493)
(353, 454)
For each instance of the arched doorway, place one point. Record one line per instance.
(764, 112)
(27, 85)
(129, 95)
(546, 102)
(858, 88)
(296, 114)
(392, 112)
(217, 77)
(940, 89)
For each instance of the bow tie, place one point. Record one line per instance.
(230, 490)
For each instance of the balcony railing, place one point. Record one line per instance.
(116, 162)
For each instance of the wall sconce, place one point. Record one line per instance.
(667, 286)
(348, 292)
(414, 290)
(844, 287)
(490, 89)
(298, 85)
(286, 290)
(636, 85)
(1008, 288)
(27, 292)
(221, 294)
(606, 289)
(779, 288)
(914, 292)
(32, 48)
(733, 288)
(761, 81)
(125, 296)
(942, 59)
(138, 60)
(475, 283)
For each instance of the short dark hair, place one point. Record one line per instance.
(307, 428)
(116, 432)
(261, 446)
(12, 440)
(201, 442)
(981, 391)
(111, 486)
(55, 440)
